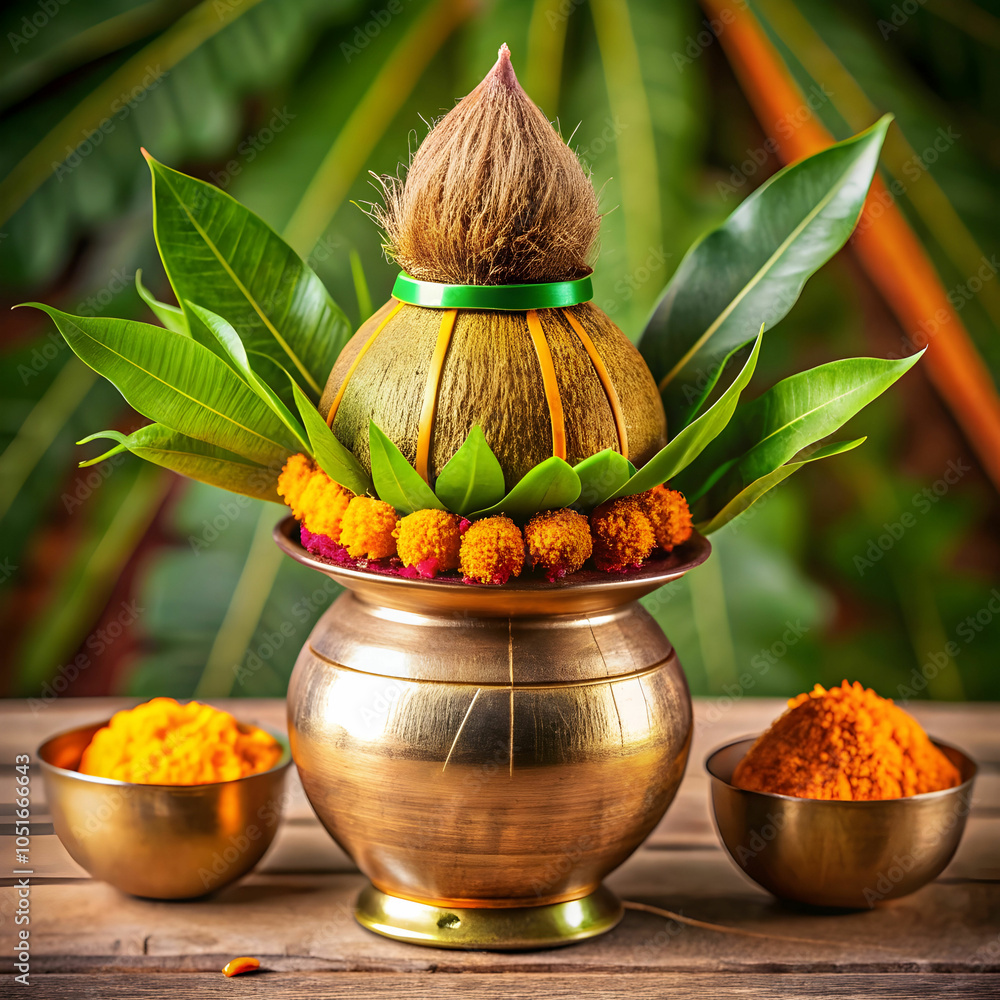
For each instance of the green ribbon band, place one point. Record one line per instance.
(518, 298)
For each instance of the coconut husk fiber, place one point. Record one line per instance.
(493, 196)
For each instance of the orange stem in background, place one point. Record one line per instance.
(602, 374)
(888, 248)
(354, 364)
(551, 385)
(427, 413)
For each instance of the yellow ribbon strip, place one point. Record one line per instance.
(550, 384)
(602, 374)
(354, 364)
(426, 426)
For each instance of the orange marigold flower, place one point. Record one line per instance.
(492, 551)
(559, 541)
(429, 540)
(316, 500)
(669, 514)
(623, 534)
(366, 530)
(295, 478)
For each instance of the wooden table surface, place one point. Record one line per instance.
(294, 911)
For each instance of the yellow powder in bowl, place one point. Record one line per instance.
(165, 743)
(845, 743)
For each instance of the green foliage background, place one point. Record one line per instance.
(880, 565)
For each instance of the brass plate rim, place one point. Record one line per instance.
(515, 598)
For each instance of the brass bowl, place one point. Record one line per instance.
(160, 841)
(836, 854)
(486, 755)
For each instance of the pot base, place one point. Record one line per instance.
(490, 929)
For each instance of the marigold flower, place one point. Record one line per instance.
(316, 500)
(492, 551)
(294, 479)
(559, 541)
(367, 528)
(429, 540)
(623, 534)
(669, 515)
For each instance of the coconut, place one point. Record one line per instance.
(493, 196)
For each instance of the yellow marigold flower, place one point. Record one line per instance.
(623, 534)
(429, 540)
(367, 528)
(559, 541)
(492, 551)
(669, 514)
(294, 479)
(316, 500)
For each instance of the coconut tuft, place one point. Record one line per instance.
(493, 195)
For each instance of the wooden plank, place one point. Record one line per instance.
(950, 925)
(308, 986)
(297, 908)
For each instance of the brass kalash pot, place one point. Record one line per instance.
(487, 755)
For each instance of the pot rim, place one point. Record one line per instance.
(528, 596)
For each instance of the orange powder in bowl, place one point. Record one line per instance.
(845, 743)
(165, 743)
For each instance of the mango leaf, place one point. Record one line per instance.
(790, 416)
(749, 495)
(679, 453)
(548, 486)
(195, 459)
(331, 456)
(170, 316)
(234, 351)
(751, 270)
(601, 476)
(219, 253)
(396, 481)
(472, 477)
(177, 382)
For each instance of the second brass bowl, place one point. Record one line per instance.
(838, 854)
(160, 841)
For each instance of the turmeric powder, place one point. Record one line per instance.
(165, 743)
(845, 743)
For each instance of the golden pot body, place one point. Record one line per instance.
(426, 378)
(501, 754)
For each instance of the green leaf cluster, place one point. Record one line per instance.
(232, 378)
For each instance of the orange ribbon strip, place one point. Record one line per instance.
(602, 374)
(429, 409)
(550, 384)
